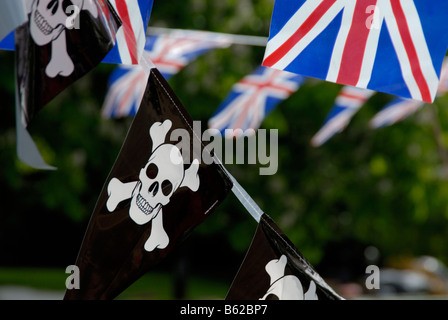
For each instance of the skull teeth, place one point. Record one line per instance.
(42, 24)
(143, 205)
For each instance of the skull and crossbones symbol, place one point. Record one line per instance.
(286, 287)
(162, 175)
(48, 23)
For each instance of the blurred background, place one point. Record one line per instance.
(365, 197)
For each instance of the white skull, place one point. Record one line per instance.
(50, 17)
(159, 179)
(162, 175)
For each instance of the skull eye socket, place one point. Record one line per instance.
(167, 187)
(53, 5)
(66, 4)
(152, 171)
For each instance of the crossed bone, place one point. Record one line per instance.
(60, 62)
(119, 191)
(286, 287)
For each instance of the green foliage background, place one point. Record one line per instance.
(387, 188)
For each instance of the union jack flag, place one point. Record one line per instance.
(131, 37)
(399, 109)
(127, 85)
(252, 98)
(395, 47)
(348, 102)
(443, 85)
(395, 111)
(171, 52)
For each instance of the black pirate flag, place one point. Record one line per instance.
(274, 269)
(61, 42)
(157, 192)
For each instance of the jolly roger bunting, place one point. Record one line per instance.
(274, 269)
(49, 59)
(395, 47)
(152, 199)
(130, 39)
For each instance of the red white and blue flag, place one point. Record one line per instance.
(348, 102)
(395, 47)
(172, 51)
(126, 88)
(395, 111)
(399, 109)
(252, 98)
(443, 84)
(131, 37)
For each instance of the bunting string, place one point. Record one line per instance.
(239, 111)
(234, 38)
(245, 199)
